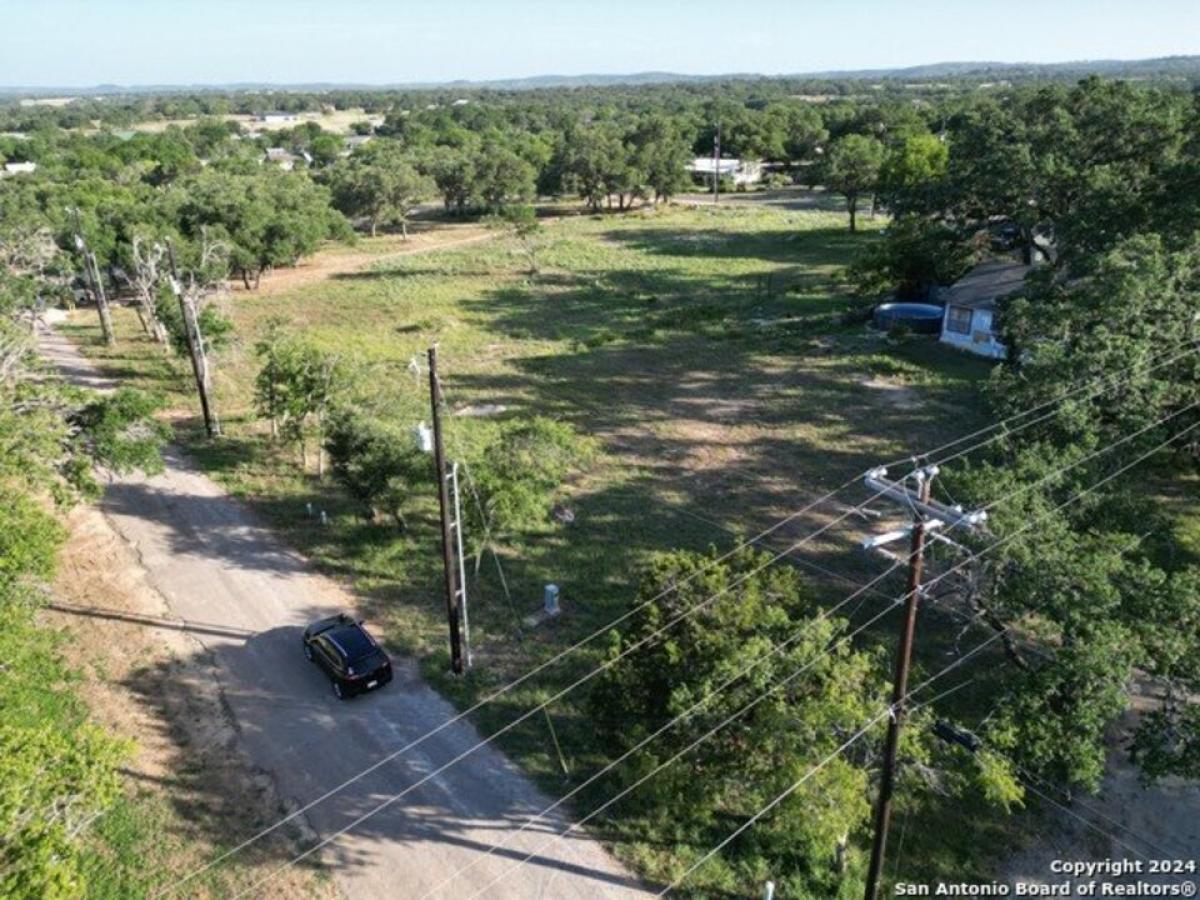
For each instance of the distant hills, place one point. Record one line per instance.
(1183, 67)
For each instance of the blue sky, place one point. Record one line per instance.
(86, 42)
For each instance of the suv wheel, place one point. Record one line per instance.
(308, 651)
(337, 690)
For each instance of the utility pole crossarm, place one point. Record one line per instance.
(952, 516)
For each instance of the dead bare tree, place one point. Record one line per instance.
(32, 254)
(148, 260)
(192, 292)
(14, 350)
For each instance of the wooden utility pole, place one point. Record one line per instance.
(883, 809)
(195, 346)
(453, 608)
(926, 515)
(91, 271)
(717, 165)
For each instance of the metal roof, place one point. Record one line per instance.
(986, 283)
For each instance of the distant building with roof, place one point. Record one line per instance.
(738, 171)
(20, 168)
(278, 118)
(969, 316)
(282, 157)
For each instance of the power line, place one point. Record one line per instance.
(795, 786)
(1090, 824)
(609, 663)
(1026, 776)
(526, 676)
(995, 636)
(1000, 426)
(1070, 798)
(524, 716)
(686, 714)
(1043, 480)
(1191, 348)
(1166, 854)
(579, 823)
(565, 652)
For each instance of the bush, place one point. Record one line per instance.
(121, 432)
(376, 463)
(518, 474)
(29, 541)
(776, 180)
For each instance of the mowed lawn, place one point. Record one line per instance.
(707, 352)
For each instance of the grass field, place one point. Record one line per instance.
(705, 351)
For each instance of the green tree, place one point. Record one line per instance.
(295, 389)
(852, 169)
(800, 129)
(382, 186)
(1137, 301)
(789, 711)
(1104, 603)
(453, 172)
(377, 464)
(595, 161)
(500, 176)
(915, 256)
(521, 222)
(912, 171)
(519, 473)
(53, 784)
(268, 218)
(660, 156)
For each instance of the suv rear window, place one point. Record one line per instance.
(368, 663)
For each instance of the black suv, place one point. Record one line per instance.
(350, 657)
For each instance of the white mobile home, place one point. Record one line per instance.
(739, 171)
(969, 318)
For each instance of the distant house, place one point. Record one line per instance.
(737, 170)
(20, 168)
(969, 317)
(282, 157)
(277, 118)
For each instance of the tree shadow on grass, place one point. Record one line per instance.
(813, 247)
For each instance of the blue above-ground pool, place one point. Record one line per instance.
(921, 318)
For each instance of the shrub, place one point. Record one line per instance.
(376, 463)
(518, 474)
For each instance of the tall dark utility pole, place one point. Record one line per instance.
(925, 515)
(883, 810)
(453, 607)
(195, 346)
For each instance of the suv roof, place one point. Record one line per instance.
(352, 641)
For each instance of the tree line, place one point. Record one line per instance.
(59, 772)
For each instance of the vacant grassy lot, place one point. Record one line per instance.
(707, 353)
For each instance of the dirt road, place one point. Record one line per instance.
(246, 598)
(325, 264)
